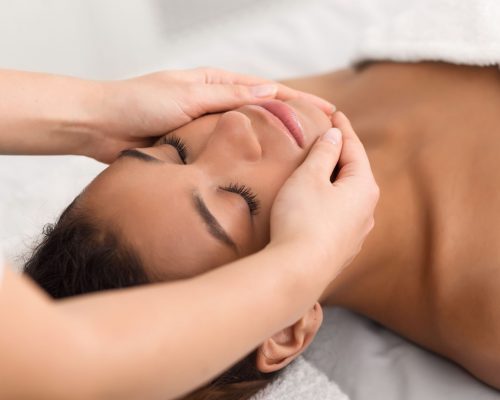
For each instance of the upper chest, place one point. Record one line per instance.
(435, 152)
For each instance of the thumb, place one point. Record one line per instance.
(324, 154)
(222, 97)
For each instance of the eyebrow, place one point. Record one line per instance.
(212, 224)
(139, 155)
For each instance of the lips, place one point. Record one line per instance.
(287, 116)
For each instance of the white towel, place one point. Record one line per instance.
(456, 31)
(301, 381)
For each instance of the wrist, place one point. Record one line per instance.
(72, 115)
(309, 262)
(85, 121)
(111, 124)
(47, 114)
(97, 127)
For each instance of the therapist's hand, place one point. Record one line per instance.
(138, 109)
(331, 220)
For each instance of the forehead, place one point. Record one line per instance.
(151, 207)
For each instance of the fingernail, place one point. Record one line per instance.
(265, 90)
(333, 135)
(333, 108)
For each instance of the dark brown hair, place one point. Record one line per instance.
(77, 255)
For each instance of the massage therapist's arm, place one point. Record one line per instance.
(151, 342)
(154, 342)
(51, 114)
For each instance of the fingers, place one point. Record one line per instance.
(327, 107)
(259, 88)
(286, 93)
(220, 76)
(353, 159)
(324, 154)
(222, 97)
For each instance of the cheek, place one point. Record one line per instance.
(270, 179)
(267, 183)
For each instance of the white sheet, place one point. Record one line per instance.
(369, 362)
(278, 38)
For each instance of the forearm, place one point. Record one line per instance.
(47, 114)
(163, 341)
(41, 349)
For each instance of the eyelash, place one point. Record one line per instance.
(244, 191)
(179, 145)
(247, 194)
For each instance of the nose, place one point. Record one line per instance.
(234, 137)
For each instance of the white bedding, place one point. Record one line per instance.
(279, 39)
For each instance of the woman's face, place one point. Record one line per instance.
(184, 217)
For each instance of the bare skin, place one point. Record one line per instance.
(430, 270)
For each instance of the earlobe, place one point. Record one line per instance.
(286, 345)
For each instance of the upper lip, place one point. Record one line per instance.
(286, 117)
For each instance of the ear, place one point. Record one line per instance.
(283, 347)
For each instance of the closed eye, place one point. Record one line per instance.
(247, 194)
(179, 145)
(244, 191)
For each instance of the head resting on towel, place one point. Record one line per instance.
(199, 198)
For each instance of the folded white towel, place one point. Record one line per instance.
(301, 381)
(456, 31)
